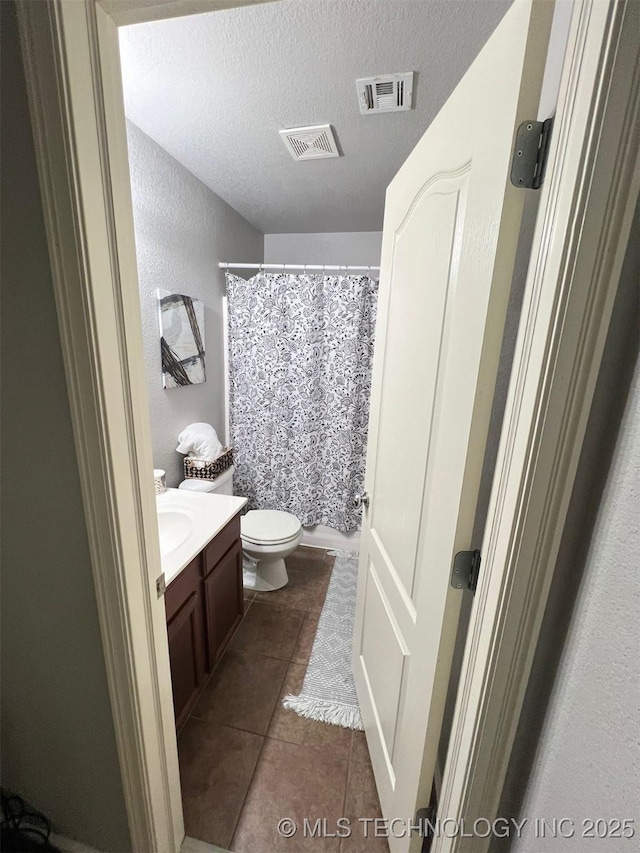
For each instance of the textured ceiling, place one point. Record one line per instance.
(214, 89)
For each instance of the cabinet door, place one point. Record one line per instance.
(224, 600)
(186, 655)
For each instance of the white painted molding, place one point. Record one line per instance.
(585, 213)
(192, 845)
(68, 845)
(125, 12)
(320, 536)
(189, 845)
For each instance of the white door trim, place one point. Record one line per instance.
(70, 52)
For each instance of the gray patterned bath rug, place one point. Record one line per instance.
(328, 691)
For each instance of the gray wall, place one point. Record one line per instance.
(58, 744)
(576, 754)
(355, 247)
(183, 230)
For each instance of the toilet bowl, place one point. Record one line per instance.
(268, 537)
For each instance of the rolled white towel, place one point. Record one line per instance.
(200, 441)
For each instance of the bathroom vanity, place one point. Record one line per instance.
(202, 563)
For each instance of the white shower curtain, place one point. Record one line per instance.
(300, 352)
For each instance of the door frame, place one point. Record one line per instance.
(70, 52)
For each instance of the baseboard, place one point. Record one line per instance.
(192, 845)
(189, 845)
(320, 536)
(68, 845)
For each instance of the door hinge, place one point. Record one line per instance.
(466, 568)
(530, 153)
(426, 820)
(161, 586)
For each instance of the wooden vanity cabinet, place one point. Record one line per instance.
(185, 630)
(224, 601)
(204, 605)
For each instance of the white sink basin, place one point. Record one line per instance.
(174, 527)
(187, 521)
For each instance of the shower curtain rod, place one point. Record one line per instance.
(323, 267)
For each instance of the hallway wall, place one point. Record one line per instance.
(58, 743)
(576, 754)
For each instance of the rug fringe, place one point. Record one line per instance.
(325, 712)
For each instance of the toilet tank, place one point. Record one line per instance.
(222, 485)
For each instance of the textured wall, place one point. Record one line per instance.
(576, 754)
(354, 247)
(58, 743)
(183, 230)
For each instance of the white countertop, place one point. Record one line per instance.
(190, 520)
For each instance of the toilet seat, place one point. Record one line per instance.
(269, 527)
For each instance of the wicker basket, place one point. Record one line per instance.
(201, 469)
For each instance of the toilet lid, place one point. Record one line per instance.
(269, 526)
(197, 485)
(202, 485)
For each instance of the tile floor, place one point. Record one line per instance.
(246, 762)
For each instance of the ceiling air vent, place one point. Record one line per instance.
(388, 93)
(310, 143)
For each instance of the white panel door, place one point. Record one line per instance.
(451, 227)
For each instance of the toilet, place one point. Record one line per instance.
(268, 536)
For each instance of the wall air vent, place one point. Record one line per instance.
(310, 143)
(388, 93)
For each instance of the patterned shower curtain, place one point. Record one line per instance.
(300, 352)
